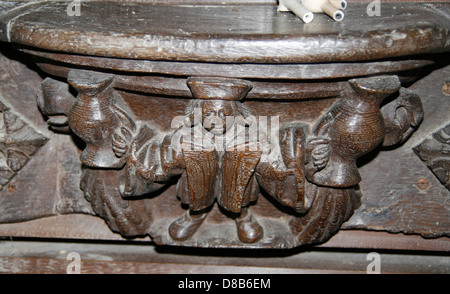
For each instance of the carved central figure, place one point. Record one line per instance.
(207, 152)
(220, 152)
(216, 154)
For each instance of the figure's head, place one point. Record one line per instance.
(218, 100)
(216, 116)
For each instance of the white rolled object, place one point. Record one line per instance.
(324, 6)
(340, 4)
(297, 8)
(332, 11)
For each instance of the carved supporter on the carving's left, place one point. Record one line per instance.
(91, 116)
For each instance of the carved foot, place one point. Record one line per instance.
(248, 228)
(185, 226)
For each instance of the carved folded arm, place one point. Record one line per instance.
(402, 116)
(151, 161)
(55, 100)
(283, 176)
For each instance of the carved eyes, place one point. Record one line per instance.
(222, 114)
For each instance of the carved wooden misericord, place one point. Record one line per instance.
(228, 144)
(221, 156)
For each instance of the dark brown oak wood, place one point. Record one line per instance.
(245, 70)
(359, 102)
(230, 34)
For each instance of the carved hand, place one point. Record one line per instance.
(318, 152)
(121, 141)
(123, 135)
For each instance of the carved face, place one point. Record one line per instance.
(218, 116)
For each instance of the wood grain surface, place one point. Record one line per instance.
(289, 66)
(236, 34)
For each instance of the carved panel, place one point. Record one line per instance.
(286, 185)
(228, 141)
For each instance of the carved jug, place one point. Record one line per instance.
(354, 126)
(92, 119)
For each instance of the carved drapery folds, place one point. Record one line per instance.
(221, 157)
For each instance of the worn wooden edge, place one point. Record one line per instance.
(10, 10)
(55, 256)
(293, 48)
(47, 255)
(33, 265)
(293, 81)
(241, 70)
(101, 262)
(176, 86)
(87, 227)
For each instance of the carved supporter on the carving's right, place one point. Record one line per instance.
(353, 126)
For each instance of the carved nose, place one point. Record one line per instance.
(218, 88)
(214, 120)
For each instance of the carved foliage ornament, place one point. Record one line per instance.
(435, 153)
(18, 142)
(220, 152)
